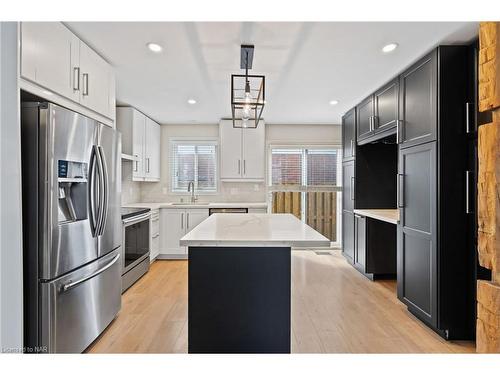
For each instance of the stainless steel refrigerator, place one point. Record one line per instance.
(72, 227)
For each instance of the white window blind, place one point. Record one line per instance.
(194, 161)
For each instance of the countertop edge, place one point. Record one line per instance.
(256, 243)
(368, 213)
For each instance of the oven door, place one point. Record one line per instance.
(136, 237)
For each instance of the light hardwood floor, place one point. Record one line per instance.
(334, 310)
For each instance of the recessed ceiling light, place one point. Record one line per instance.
(389, 47)
(191, 101)
(334, 102)
(154, 47)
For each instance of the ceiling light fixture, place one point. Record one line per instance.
(191, 101)
(389, 47)
(334, 102)
(154, 47)
(247, 93)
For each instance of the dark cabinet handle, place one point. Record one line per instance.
(468, 113)
(468, 175)
(352, 188)
(400, 190)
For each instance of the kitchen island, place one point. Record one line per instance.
(240, 281)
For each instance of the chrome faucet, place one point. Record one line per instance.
(191, 190)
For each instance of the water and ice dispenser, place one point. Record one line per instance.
(72, 191)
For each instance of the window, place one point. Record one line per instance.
(304, 167)
(194, 161)
(305, 181)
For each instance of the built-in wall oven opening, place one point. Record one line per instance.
(136, 238)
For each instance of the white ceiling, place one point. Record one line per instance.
(306, 64)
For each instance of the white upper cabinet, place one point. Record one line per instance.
(50, 57)
(54, 58)
(253, 153)
(230, 151)
(242, 152)
(152, 150)
(95, 79)
(140, 139)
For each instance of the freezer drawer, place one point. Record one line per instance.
(77, 307)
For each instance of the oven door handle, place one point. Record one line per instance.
(73, 284)
(136, 219)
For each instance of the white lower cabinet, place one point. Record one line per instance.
(155, 235)
(175, 223)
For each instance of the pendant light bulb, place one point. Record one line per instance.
(246, 108)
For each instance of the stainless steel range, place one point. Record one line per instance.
(136, 238)
(71, 226)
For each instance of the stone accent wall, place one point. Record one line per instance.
(488, 291)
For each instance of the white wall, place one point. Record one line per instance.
(11, 273)
(304, 134)
(228, 192)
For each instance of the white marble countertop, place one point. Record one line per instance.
(157, 205)
(254, 230)
(387, 215)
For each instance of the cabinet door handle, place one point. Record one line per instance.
(467, 192)
(244, 166)
(375, 122)
(136, 168)
(397, 131)
(352, 188)
(76, 78)
(239, 166)
(182, 220)
(468, 114)
(187, 220)
(400, 190)
(85, 78)
(353, 149)
(148, 165)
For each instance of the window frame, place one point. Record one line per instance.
(193, 141)
(304, 188)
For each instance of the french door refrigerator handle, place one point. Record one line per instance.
(73, 284)
(92, 191)
(105, 189)
(100, 173)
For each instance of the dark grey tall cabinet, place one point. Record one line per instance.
(434, 262)
(422, 113)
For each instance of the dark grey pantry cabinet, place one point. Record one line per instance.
(435, 263)
(423, 111)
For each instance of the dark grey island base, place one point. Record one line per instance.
(239, 300)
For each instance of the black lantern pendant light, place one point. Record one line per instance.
(247, 93)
